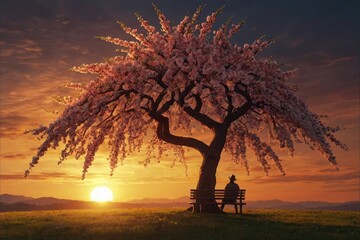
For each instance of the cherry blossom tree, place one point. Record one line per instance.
(186, 78)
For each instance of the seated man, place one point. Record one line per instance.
(231, 193)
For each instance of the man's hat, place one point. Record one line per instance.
(232, 178)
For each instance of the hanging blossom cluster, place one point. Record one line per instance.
(163, 80)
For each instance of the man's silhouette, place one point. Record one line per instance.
(231, 193)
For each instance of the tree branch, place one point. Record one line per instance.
(152, 68)
(195, 113)
(164, 134)
(158, 78)
(228, 97)
(184, 93)
(156, 104)
(227, 119)
(203, 118)
(198, 102)
(110, 115)
(166, 105)
(240, 111)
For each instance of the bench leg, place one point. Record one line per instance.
(236, 209)
(222, 206)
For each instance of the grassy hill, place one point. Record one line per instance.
(176, 224)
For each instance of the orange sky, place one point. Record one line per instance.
(39, 45)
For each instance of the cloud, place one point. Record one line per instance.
(25, 49)
(332, 186)
(332, 62)
(42, 176)
(154, 180)
(11, 125)
(342, 190)
(328, 170)
(93, 177)
(344, 187)
(13, 156)
(325, 178)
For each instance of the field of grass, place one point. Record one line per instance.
(176, 224)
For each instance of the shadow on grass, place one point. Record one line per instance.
(171, 224)
(260, 226)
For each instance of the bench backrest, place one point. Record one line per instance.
(204, 194)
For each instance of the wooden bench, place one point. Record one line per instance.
(205, 196)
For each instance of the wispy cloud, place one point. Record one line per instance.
(332, 62)
(26, 49)
(12, 156)
(42, 176)
(325, 178)
(11, 125)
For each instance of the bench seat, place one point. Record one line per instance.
(205, 196)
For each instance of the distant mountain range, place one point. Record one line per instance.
(11, 199)
(22, 203)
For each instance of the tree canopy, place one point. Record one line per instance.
(167, 80)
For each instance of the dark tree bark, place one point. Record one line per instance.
(207, 176)
(211, 153)
(207, 181)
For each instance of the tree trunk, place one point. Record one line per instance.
(211, 157)
(207, 183)
(207, 179)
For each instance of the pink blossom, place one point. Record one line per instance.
(181, 76)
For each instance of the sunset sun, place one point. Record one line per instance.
(101, 194)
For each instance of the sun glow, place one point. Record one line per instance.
(101, 194)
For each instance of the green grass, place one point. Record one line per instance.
(176, 224)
